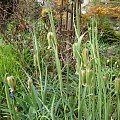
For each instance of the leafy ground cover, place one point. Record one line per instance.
(44, 77)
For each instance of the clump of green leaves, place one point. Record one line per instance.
(107, 34)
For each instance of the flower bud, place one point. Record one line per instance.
(50, 37)
(105, 79)
(21, 25)
(29, 83)
(34, 58)
(116, 63)
(83, 77)
(11, 95)
(11, 82)
(108, 61)
(117, 85)
(75, 50)
(85, 56)
(77, 69)
(89, 77)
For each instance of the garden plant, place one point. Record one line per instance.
(45, 75)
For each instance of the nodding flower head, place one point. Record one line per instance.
(11, 83)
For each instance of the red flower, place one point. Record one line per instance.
(20, 31)
(21, 25)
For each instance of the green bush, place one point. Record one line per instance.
(107, 34)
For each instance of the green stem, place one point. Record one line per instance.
(8, 100)
(78, 17)
(56, 52)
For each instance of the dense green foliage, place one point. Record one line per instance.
(107, 34)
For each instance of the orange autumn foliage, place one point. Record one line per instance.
(104, 11)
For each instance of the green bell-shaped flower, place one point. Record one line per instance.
(12, 83)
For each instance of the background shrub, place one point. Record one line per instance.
(107, 34)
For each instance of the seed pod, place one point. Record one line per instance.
(11, 82)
